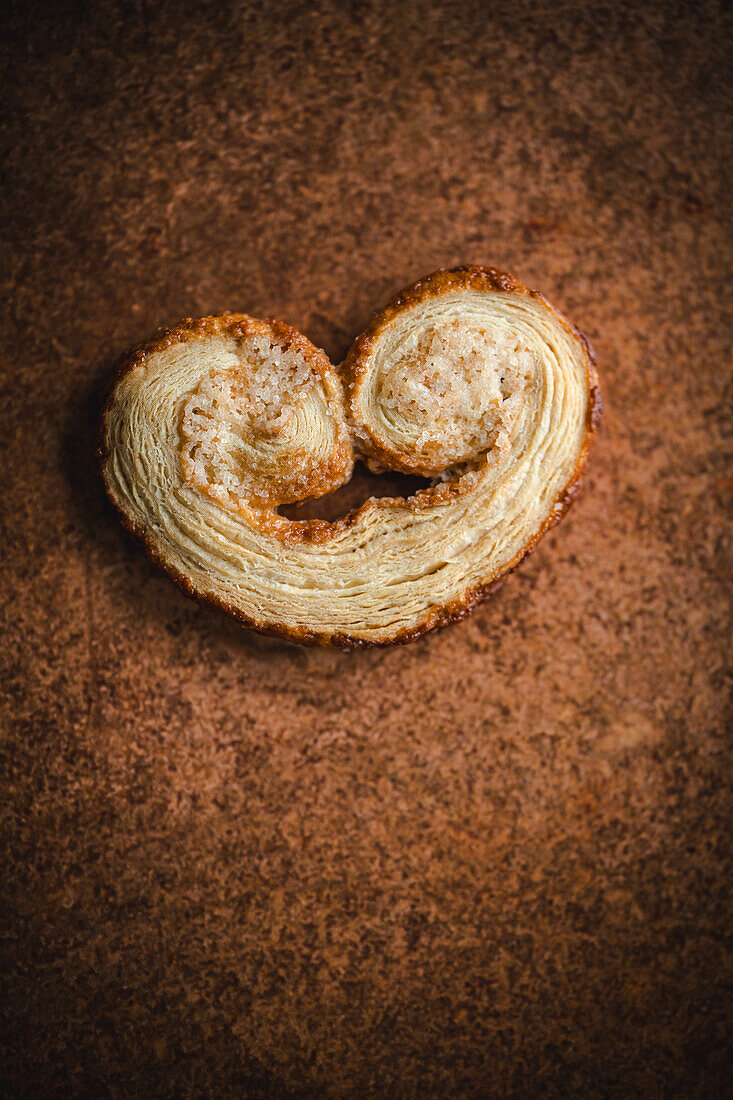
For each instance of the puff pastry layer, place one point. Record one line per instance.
(466, 378)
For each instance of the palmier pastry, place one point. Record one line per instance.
(466, 378)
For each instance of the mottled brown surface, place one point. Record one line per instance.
(496, 863)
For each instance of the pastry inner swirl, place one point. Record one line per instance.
(261, 434)
(449, 393)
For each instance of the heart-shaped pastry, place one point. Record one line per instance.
(466, 378)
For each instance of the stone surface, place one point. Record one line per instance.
(496, 862)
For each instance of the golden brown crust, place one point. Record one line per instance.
(321, 531)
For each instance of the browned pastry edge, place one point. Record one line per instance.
(468, 277)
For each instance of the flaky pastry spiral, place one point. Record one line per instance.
(466, 378)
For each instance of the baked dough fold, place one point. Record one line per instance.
(466, 378)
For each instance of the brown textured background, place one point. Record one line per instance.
(495, 863)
